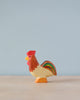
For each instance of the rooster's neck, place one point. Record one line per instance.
(33, 63)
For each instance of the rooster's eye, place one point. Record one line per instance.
(29, 56)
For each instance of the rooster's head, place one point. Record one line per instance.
(29, 55)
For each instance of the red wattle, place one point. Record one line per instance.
(28, 63)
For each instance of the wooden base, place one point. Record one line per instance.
(24, 88)
(41, 80)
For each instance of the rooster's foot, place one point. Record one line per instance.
(41, 80)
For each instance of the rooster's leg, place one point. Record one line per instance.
(41, 80)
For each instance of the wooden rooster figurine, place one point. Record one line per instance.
(41, 72)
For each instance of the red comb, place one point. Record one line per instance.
(31, 52)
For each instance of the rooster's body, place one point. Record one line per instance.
(42, 71)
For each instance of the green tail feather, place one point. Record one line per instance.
(50, 66)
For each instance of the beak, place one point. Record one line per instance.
(27, 58)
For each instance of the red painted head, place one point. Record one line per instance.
(29, 55)
(31, 52)
(31, 60)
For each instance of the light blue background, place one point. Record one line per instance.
(51, 27)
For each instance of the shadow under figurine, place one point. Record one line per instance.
(41, 72)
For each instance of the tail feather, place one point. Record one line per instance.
(50, 66)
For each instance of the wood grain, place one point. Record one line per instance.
(24, 88)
